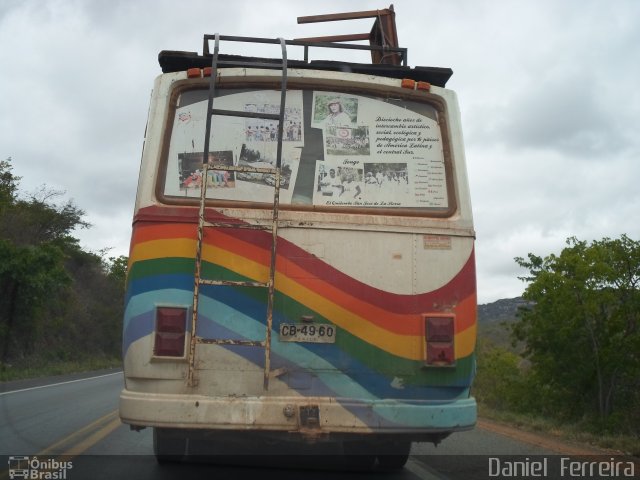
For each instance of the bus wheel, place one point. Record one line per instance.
(169, 446)
(395, 456)
(359, 456)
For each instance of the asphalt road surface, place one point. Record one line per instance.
(70, 426)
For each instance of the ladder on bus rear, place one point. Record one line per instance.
(203, 224)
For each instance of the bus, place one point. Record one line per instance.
(302, 257)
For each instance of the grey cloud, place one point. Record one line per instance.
(548, 92)
(563, 114)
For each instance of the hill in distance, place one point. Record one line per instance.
(495, 319)
(504, 310)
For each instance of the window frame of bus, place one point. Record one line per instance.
(273, 83)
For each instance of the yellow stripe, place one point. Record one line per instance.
(174, 247)
(405, 346)
(79, 433)
(466, 341)
(93, 439)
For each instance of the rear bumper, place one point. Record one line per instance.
(292, 414)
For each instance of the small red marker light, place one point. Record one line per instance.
(193, 73)
(408, 83)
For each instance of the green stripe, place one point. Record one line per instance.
(161, 266)
(413, 372)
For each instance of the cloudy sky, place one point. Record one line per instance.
(549, 92)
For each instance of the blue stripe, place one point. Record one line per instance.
(236, 318)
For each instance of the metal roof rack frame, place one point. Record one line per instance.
(377, 51)
(387, 58)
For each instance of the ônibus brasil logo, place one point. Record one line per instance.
(34, 468)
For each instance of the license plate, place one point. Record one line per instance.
(301, 332)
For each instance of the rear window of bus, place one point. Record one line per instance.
(341, 151)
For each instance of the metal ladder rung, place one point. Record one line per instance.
(246, 226)
(233, 283)
(226, 341)
(241, 113)
(243, 168)
(250, 64)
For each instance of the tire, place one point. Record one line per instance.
(395, 456)
(169, 446)
(359, 456)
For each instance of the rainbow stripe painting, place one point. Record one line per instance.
(378, 353)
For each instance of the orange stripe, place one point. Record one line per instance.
(145, 233)
(403, 324)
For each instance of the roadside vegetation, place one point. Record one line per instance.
(573, 364)
(60, 306)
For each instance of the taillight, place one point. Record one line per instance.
(171, 324)
(439, 338)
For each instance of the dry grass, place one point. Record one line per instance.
(575, 433)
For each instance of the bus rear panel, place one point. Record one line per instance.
(369, 329)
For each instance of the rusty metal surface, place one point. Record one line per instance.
(229, 341)
(332, 17)
(272, 266)
(274, 229)
(337, 38)
(203, 223)
(191, 381)
(236, 113)
(383, 33)
(232, 283)
(246, 226)
(243, 168)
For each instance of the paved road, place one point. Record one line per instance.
(75, 419)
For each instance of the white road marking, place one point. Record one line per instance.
(59, 383)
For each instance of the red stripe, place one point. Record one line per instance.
(457, 290)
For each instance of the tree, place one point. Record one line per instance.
(34, 235)
(56, 300)
(8, 184)
(38, 219)
(29, 277)
(500, 381)
(582, 333)
(117, 269)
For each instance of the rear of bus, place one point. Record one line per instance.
(374, 306)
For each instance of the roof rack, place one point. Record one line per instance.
(387, 58)
(377, 51)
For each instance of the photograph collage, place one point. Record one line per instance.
(374, 154)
